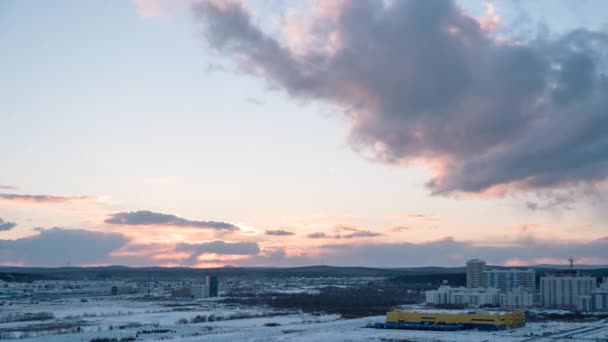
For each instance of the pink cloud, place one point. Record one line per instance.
(41, 199)
(425, 82)
(155, 9)
(491, 20)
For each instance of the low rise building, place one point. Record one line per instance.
(462, 296)
(182, 292)
(446, 320)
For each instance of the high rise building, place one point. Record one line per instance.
(506, 280)
(563, 291)
(597, 301)
(213, 286)
(208, 287)
(475, 275)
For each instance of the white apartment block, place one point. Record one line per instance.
(518, 298)
(462, 296)
(597, 301)
(503, 280)
(564, 291)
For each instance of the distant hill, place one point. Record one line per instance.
(578, 267)
(19, 277)
(168, 273)
(454, 275)
(433, 270)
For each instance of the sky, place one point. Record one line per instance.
(273, 133)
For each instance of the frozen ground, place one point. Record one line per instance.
(149, 320)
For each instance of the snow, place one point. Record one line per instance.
(119, 317)
(295, 326)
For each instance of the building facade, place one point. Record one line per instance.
(462, 296)
(208, 287)
(559, 291)
(213, 286)
(426, 320)
(182, 292)
(475, 273)
(200, 291)
(506, 280)
(597, 301)
(518, 298)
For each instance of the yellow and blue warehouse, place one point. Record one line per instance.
(448, 321)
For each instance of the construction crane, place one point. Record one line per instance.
(572, 260)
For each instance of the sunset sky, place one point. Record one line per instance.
(288, 133)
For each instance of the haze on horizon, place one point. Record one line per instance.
(267, 133)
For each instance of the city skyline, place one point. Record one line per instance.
(264, 133)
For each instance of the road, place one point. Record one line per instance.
(585, 333)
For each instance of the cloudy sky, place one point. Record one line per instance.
(289, 133)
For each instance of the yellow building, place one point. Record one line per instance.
(475, 320)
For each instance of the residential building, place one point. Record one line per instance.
(596, 301)
(213, 286)
(517, 298)
(563, 291)
(208, 287)
(506, 280)
(462, 296)
(200, 291)
(475, 275)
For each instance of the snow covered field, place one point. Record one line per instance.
(162, 319)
